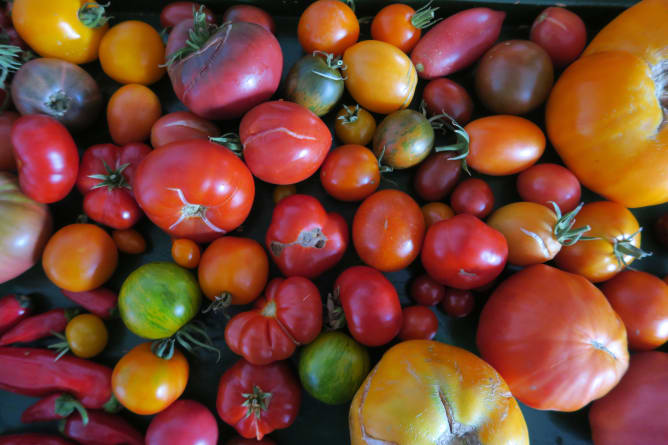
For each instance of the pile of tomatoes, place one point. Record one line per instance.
(290, 221)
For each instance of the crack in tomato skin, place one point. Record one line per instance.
(190, 210)
(314, 238)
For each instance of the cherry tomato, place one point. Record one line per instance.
(86, 335)
(185, 422)
(401, 26)
(434, 212)
(80, 257)
(446, 96)
(661, 230)
(403, 139)
(7, 161)
(185, 253)
(283, 191)
(437, 176)
(561, 33)
(174, 13)
(180, 126)
(545, 183)
(129, 241)
(388, 229)
(250, 14)
(133, 52)
(458, 303)
(350, 173)
(354, 125)
(474, 197)
(329, 26)
(419, 323)
(131, 113)
(426, 291)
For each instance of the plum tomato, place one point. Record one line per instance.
(129, 241)
(437, 176)
(401, 25)
(176, 12)
(426, 291)
(329, 26)
(474, 197)
(185, 253)
(561, 33)
(458, 303)
(546, 183)
(350, 173)
(444, 96)
(354, 125)
(419, 323)
(434, 212)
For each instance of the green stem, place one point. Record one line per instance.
(563, 230)
(66, 405)
(256, 402)
(198, 35)
(189, 337)
(10, 61)
(232, 141)
(220, 303)
(352, 114)
(381, 167)
(624, 247)
(461, 145)
(91, 14)
(62, 347)
(113, 179)
(425, 17)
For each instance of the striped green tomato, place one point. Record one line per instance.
(403, 139)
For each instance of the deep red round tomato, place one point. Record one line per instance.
(446, 96)
(400, 25)
(561, 33)
(464, 252)
(7, 162)
(303, 239)
(176, 12)
(185, 422)
(180, 126)
(289, 315)
(457, 302)
(370, 304)
(249, 14)
(257, 400)
(419, 323)
(46, 157)
(426, 291)
(437, 176)
(350, 173)
(474, 197)
(329, 26)
(543, 183)
(194, 189)
(284, 143)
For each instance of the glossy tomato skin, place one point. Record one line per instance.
(194, 189)
(250, 14)
(354, 125)
(185, 422)
(388, 229)
(329, 26)
(403, 139)
(350, 173)
(419, 323)
(434, 212)
(114, 208)
(473, 197)
(463, 252)
(181, 126)
(176, 12)
(458, 303)
(129, 241)
(437, 176)
(186, 253)
(542, 183)
(559, 351)
(46, 156)
(131, 113)
(7, 161)
(86, 335)
(314, 83)
(95, 157)
(426, 291)
(243, 441)
(284, 143)
(392, 24)
(447, 96)
(371, 305)
(561, 33)
(241, 379)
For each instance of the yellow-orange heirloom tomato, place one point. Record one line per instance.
(605, 116)
(423, 392)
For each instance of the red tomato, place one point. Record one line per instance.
(554, 339)
(370, 304)
(350, 173)
(250, 14)
(46, 157)
(175, 13)
(180, 126)
(437, 176)
(129, 241)
(194, 189)
(473, 197)
(401, 26)
(329, 26)
(303, 239)
(464, 252)
(419, 323)
(426, 291)
(434, 212)
(561, 33)
(388, 229)
(284, 143)
(289, 315)
(543, 183)
(185, 422)
(457, 302)
(186, 253)
(641, 300)
(242, 441)
(7, 162)
(446, 96)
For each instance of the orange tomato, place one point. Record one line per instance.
(86, 335)
(132, 52)
(129, 241)
(380, 77)
(400, 25)
(354, 125)
(434, 212)
(80, 257)
(131, 113)
(329, 26)
(186, 253)
(350, 173)
(283, 191)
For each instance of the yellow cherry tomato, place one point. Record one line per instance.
(186, 253)
(86, 335)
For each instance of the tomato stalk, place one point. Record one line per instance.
(59, 102)
(198, 35)
(231, 141)
(10, 61)
(187, 338)
(62, 347)
(563, 229)
(220, 303)
(336, 318)
(352, 114)
(461, 145)
(91, 14)
(54, 407)
(333, 62)
(112, 179)
(625, 247)
(256, 402)
(425, 17)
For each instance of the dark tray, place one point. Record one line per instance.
(317, 422)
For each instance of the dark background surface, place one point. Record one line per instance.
(317, 422)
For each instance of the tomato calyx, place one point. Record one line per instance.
(624, 247)
(335, 317)
(256, 402)
(113, 179)
(198, 35)
(66, 405)
(382, 168)
(563, 229)
(62, 347)
(462, 143)
(191, 336)
(10, 61)
(334, 63)
(425, 17)
(92, 14)
(191, 210)
(220, 303)
(231, 141)
(351, 115)
(58, 102)
(314, 238)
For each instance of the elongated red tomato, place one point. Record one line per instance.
(181, 126)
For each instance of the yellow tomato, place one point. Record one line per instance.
(86, 335)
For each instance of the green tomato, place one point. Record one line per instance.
(315, 83)
(403, 139)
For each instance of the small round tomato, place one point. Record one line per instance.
(133, 52)
(403, 139)
(561, 33)
(474, 197)
(546, 183)
(249, 14)
(86, 335)
(434, 212)
(350, 173)
(233, 269)
(641, 300)
(146, 384)
(437, 176)
(7, 161)
(354, 125)
(426, 291)
(186, 253)
(401, 26)
(185, 422)
(176, 12)
(419, 323)
(129, 241)
(329, 26)
(458, 303)
(131, 113)
(80, 257)
(283, 191)
(446, 96)
(388, 229)
(180, 126)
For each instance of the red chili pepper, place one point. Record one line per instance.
(102, 429)
(54, 407)
(100, 301)
(33, 439)
(13, 308)
(38, 326)
(34, 372)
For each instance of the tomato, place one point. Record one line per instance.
(283, 191)
(289, 315)
(633, 411)
(457, 42)
(131, 113)
(474, 197)
(25, 227)
(407, 398)
(80, 257)
(185, 253)
(437, 176)
(133, 52)
(86, 335)
(7, 161)
(329, 26)
(618, 246)
(426, 291)
(185, 422)
(419, 323)
(333, 367)
(181, 126)
(401, 26)
(458, 303)
(370, 304)
(463, 252)
(115, 208)
(388, 229)
(354, 125)
(194, 189)
(434, 212)
(284, 143)
(70, 30)
(350, 173)
(641, 300)
(380, 77)
(559, 351)
(250, 14)
(546, 183)
(146, 384)
(561, 33)
(446, 96)
(46, 156)
(403, 139)
(315, 82)
(234, 269)
(176, 12)
(129, 241)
